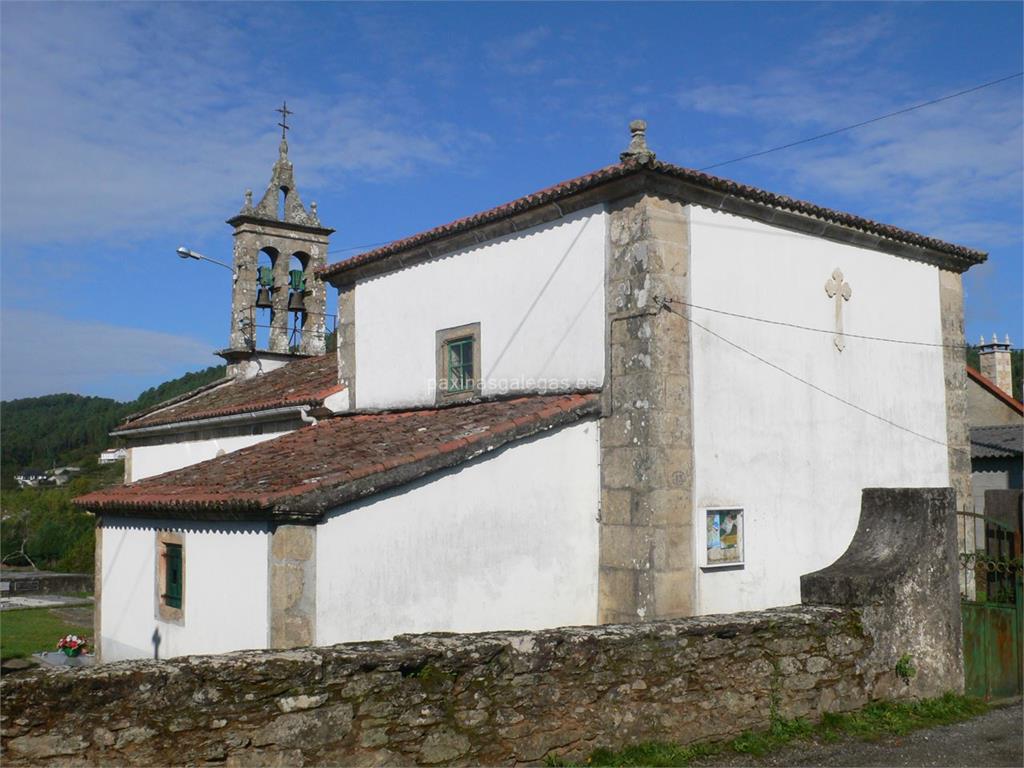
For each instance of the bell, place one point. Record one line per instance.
(263, 298)
(296, 302)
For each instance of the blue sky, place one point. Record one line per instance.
(130, 129)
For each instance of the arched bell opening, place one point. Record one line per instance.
(265, 287)
(298, 283)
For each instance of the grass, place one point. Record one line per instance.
(875, 721)
(29, 630)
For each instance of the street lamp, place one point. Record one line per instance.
(185, 253)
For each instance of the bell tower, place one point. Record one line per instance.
(278, 305)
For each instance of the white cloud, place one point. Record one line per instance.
(114, 127)
(517, 54)
(43, 353)
(847, 42)
(948, 170)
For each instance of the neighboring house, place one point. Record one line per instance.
(33, 478)
(996, 419)
(112, 455)
(63, 475)
(30, 478)
(996, 460)
(595, 403)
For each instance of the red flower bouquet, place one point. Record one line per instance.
(72, 645)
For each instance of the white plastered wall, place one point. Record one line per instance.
(149, 460)
(793, 458)
(507, 541)
(538, 296)
(225, 589)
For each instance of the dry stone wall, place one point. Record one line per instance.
(887, 606)
(493, 698)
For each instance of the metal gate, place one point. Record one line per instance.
(992, 606)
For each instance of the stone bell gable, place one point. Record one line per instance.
(278, 306)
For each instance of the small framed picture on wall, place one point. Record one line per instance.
(724, 537)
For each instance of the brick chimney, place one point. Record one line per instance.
(995, 362)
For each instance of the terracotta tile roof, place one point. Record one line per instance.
(609, 173)
(986, 383)
(301, 475)
(302, 382)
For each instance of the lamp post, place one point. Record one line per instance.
(245, 324)
(185, 253)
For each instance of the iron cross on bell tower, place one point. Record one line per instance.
(283, 109)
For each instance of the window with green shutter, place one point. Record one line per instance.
(174, 575)
(460, 364)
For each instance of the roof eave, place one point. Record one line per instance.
(177, 400)
(228, 510)
(201, 422)
(427, 246)
(616, 182)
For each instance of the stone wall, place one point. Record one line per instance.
(901, 568)
(503, 698)
(494, 698)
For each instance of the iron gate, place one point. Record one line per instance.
(992, 605)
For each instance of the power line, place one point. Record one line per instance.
(864, 122)
(807, 383)
(793, 143)
(821, 330)
(357, 247)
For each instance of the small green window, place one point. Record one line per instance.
(460, 364)
(174, 575)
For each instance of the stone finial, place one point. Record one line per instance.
(314, 217)
(638, 149)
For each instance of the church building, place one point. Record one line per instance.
(643, 393)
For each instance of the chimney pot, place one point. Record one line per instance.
(994, 360)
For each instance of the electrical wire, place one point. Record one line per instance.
(813, 386)
(358, 247)
(822, 330)
(864, 122)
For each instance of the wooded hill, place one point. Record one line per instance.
(57, 430)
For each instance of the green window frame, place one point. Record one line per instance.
(459, 356)
(458, 369)
(174, 575)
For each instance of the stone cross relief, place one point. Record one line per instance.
(840, 291)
